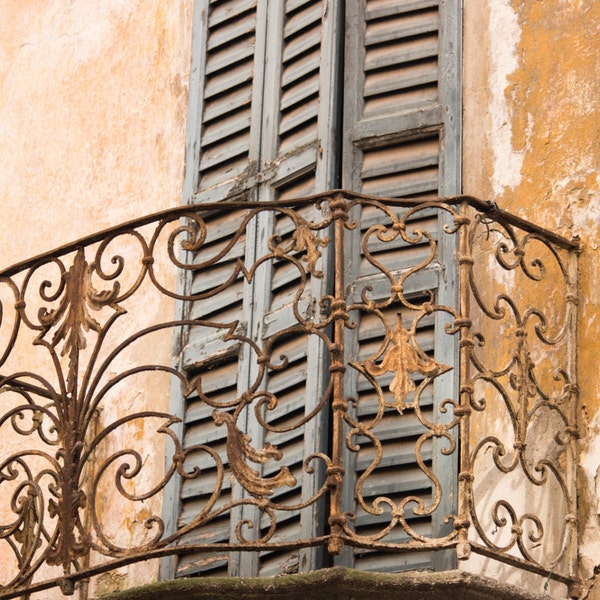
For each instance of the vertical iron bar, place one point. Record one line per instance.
(445, 386)
(572, 300)
(465, 263)
(335, 473)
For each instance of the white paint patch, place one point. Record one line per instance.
(504, 36)
(589, 549)
(586, 216)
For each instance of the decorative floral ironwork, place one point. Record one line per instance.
(402, 357)
(238, 448)
(78, 331)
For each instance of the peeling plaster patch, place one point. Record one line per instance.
(109, 583)
(529, 128)
(582, 94)
(582, 195)
(505, 35)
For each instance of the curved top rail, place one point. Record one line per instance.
(383, 358)
(237, 201)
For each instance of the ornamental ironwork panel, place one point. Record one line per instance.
(85, 355)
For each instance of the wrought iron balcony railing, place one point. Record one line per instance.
(353, 377)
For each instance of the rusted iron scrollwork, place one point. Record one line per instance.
(519, 482)
(81, 329)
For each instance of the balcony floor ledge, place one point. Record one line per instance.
(334, 584)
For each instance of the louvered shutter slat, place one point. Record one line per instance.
(229, 10)
(302, 43)
(299, 93)
(297, 72)
(386, 56)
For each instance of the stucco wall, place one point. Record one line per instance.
(531, 144)
(92, 126)
(92, 120)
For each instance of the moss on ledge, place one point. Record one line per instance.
(333, 584)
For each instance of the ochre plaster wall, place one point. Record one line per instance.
(93, 98)
(531, 144)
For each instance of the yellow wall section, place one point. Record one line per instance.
(532, 144)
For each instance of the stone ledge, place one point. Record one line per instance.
(333, 584)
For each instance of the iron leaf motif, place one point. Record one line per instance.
(303, 240)
(77, 319)
(402, 357)
(238, 447)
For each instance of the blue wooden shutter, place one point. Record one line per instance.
(265, 125)
(401, 139)
(265, 132)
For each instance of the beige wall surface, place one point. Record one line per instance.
(531, 144)
(93, 99)
(92, 116)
